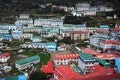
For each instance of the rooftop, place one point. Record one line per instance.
(6, 54)
(90, 51)
(87, 57)
(65, 56)
(26, 60)
(48, 68)
(106, 56)
(67, 73)
(103, 62)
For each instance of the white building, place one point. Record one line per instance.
(85, 62)
(8, 26)
(56, 22)
(17, 34)
(4, 57)
(25, 21)
(107, 44)
(24, 15)
(27, 36)
(65, 59)
(41, 22)
(89, 12)
(27, 62)
(82, 6)
(79, 27)
(95, 39)
(36, 39)
(76, 13)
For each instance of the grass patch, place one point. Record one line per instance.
(45, 57)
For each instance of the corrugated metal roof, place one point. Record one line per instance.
(11, 78)
(103, 62)
(29, 59)
(86, 56)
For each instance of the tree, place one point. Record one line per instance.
(38, 75)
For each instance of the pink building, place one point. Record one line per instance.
(77, 34)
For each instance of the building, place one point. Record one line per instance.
(77, 34)
(15, 77)
(105, 27)
(107, 44)
(8, 26)
(53, 32)
(51, 46)
(117, 62)
(25, 21)
(90, 51)
(79, 27)
(31, 29)
(82, 6)
(96, 38)
(27, 62)
(63, 72)
(41, 22)
(86, 61)
(89, 12)
(24, 16)
(4, 57)
(17, 34)
(64, 59)
(56, 22)
(110, 45)
(36, 39)
(117, 25)
(7, 37)
(77, 13)
(27, 36)
(103, 31)
(48, 68)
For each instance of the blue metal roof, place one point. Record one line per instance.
(117, 63)
(104, 26)
(2, 78)
(22, 77)
(7, 35)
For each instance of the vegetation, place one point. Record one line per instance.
(66, 40)
(38, 75)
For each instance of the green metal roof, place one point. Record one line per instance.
(103, 62)
(54, 31)
(86, 56)
(36, 36)
(29, 59)
(11, 78)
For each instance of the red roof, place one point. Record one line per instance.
(48, 68)
(90, 51)
(117, 42)
(107, 56)
(108, 41)
(98, 70)
(66, 73)
(6, 54)
(111, 41)
(116, 29)
(65, 56)
(77, 31)
(52, 79)
(102, 30)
